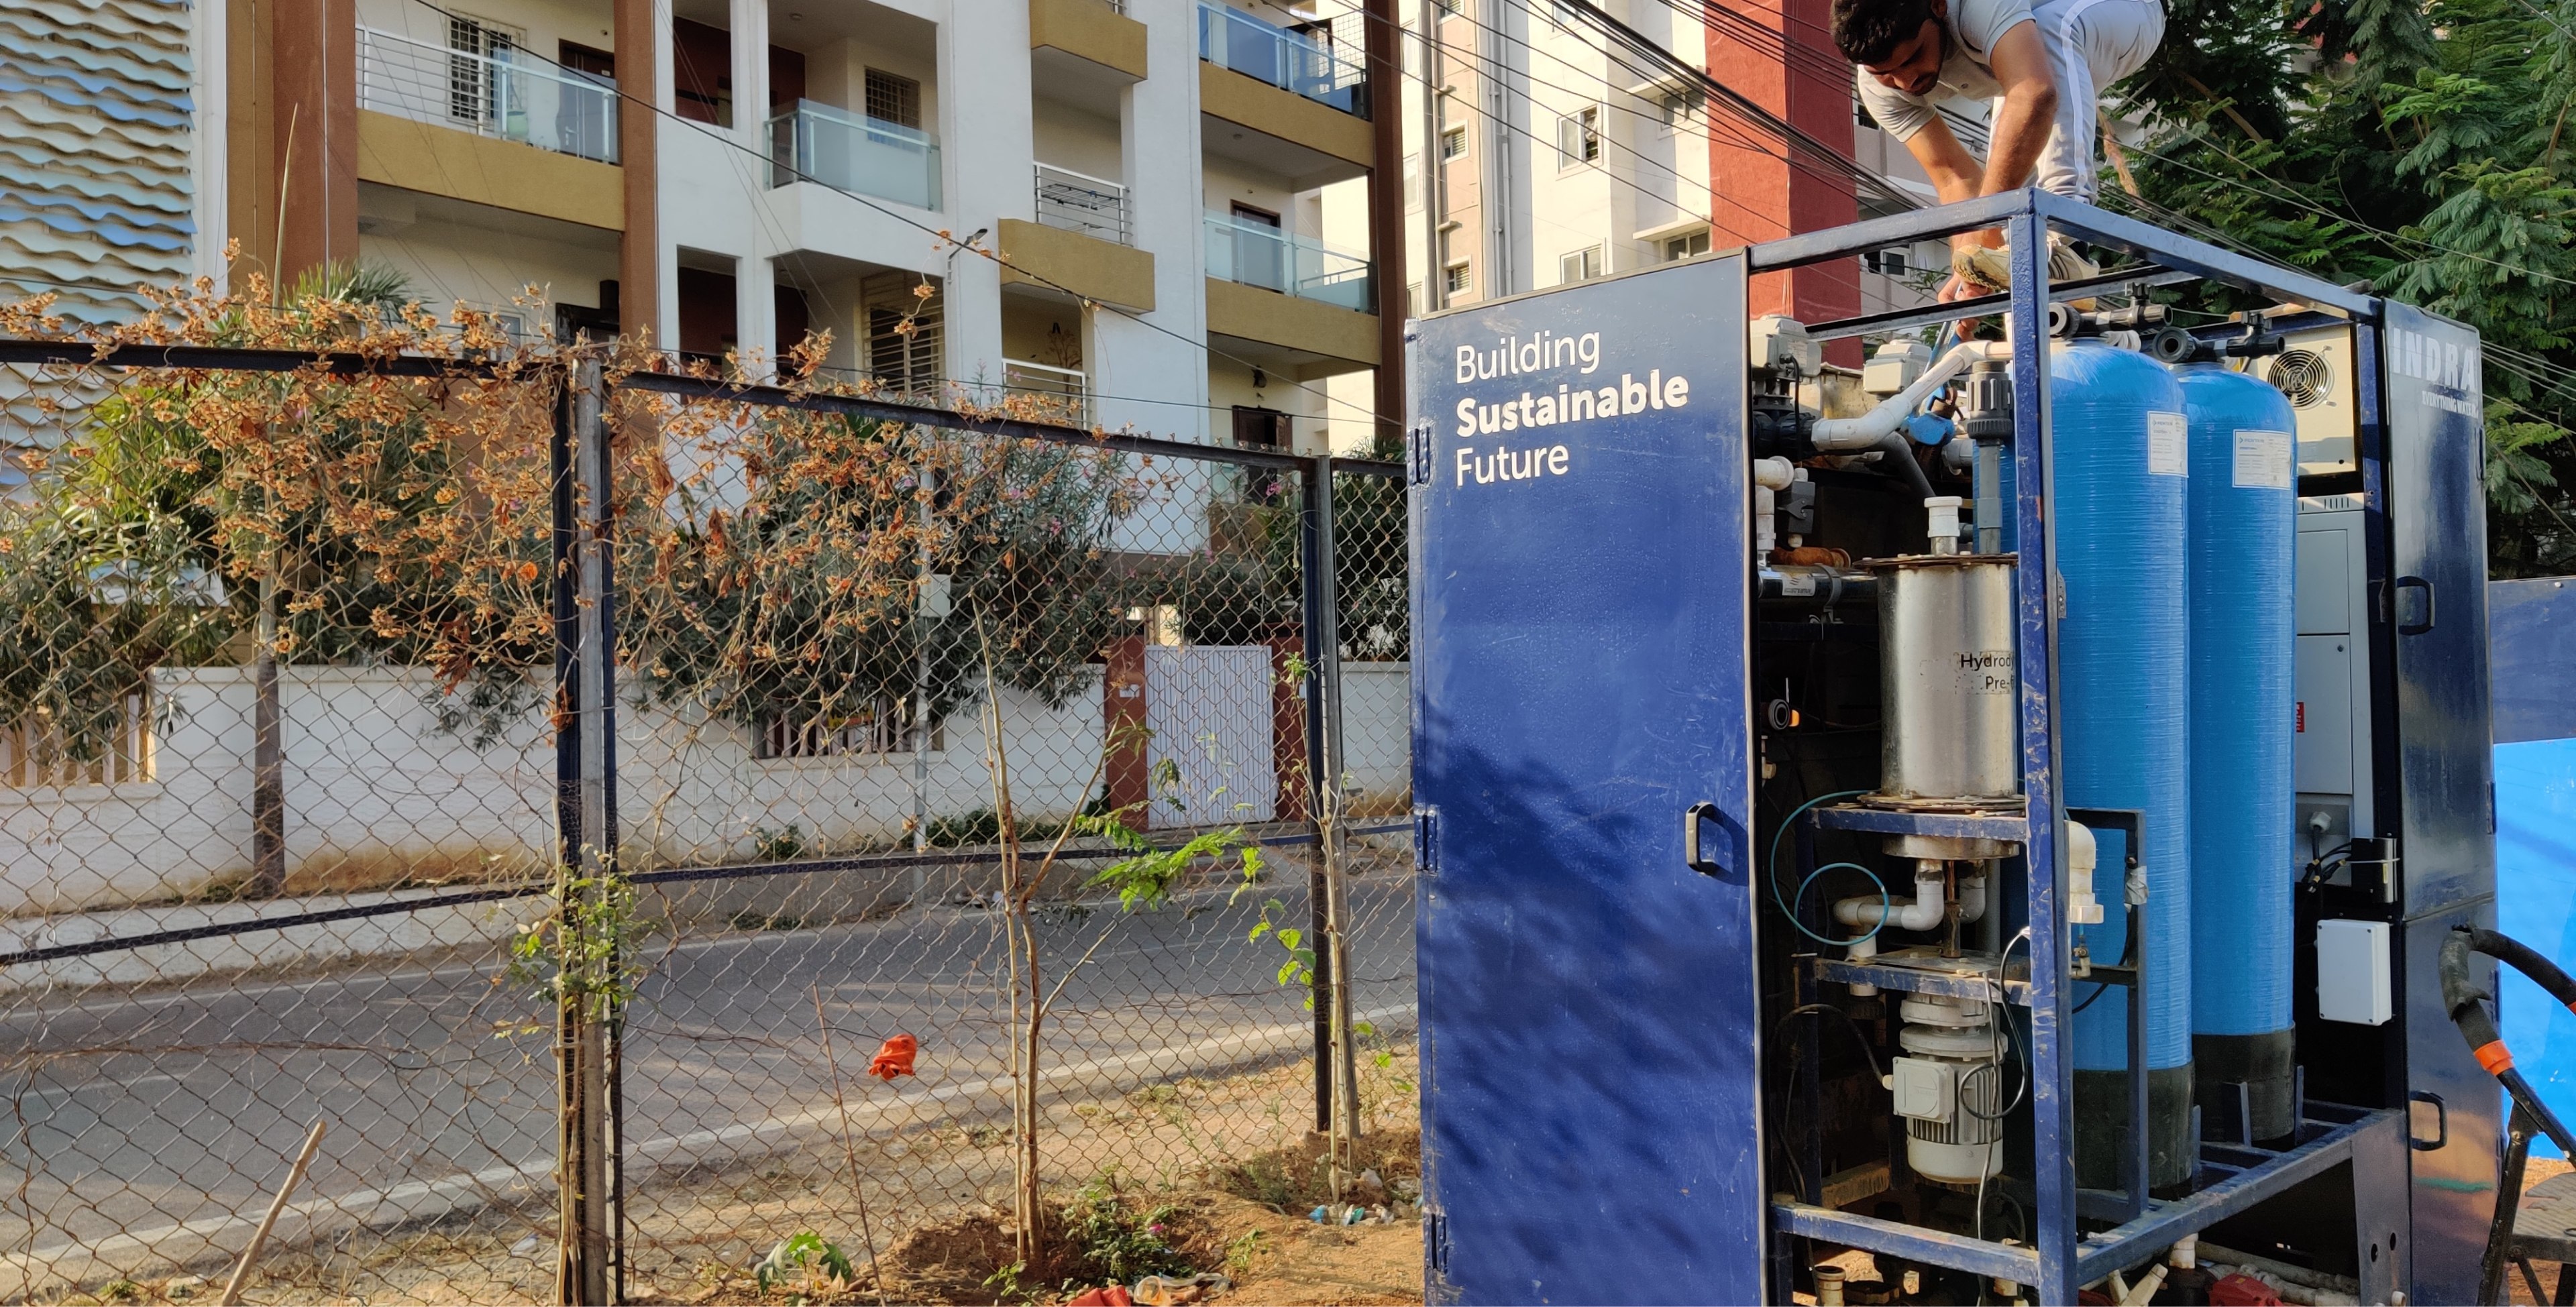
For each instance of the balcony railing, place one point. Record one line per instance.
(1059, 394)
(509, 94)
(1078, 202)
(853, 152)
(1231, 38)
(1260, 255)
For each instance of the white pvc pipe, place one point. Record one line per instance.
(1774, 473)
(1925, 912)
(1835, 435)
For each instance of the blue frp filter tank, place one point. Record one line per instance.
(2243, 533)
(2120, 471)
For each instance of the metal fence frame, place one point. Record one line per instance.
(592, 1264)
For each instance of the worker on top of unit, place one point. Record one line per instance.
(2042, 65)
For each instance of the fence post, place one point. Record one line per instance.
(1335, 1060)
(590, 1269)
(1314, 558)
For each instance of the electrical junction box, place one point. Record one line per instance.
(2353, 972)
(1925, 1090)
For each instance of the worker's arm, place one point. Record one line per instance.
(2030, 108)
(1954, 172)
(2020, 132)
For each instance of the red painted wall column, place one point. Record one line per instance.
(1779, 54)
(1123, 698)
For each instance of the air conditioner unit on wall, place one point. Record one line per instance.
(2315, 370)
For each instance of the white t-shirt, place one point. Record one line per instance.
(1975, 26)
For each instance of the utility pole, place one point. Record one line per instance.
(1385, 47)
(1435, 169)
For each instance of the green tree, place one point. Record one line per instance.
(2419, 146)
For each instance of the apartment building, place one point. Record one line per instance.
(1557, 156)
(1151, 174)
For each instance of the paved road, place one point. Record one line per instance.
(146, 1124)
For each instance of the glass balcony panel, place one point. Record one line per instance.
(1259, 255)
(510, 95)
(1265, 52)
(853, 152)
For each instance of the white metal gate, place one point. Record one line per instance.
(1209, 707)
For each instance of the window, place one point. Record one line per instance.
(1677, 248)
(1676, 107)
(1413, 181)
(473, 79)
(1453, 143)
(1453, 6)
(1260, 428)
(1458, 282)
(1581, 265)
(1578, 138)
(881, 726)
(893, 99)
(1889, 263)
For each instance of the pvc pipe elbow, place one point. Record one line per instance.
(1838, 435)
(1925, 912)
(1774, 473)
(1972, 898)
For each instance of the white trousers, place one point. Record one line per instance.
(2091, 44)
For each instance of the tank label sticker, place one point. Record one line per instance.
(2263, 460)
(1986, 671)
(2167, 448)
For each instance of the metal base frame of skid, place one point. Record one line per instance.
(2061, 1256)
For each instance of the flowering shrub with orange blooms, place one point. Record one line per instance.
(387, 518)
(772, 561)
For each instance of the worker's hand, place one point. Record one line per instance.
(1957, 288)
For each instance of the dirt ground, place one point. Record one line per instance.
(1231, 1155)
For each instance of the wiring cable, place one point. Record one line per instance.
(1885, 902)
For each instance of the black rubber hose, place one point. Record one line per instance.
(1899, 447)
(2467, 1005)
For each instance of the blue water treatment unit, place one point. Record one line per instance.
(1829, 842)
(2243, 719)
(2122, 471)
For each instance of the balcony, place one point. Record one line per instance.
(1078, 202)
(1255, 254)
(507, 96)
(1231, 38)
(855, 153)
(1054, 394)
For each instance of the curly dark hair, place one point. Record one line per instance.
(1868, 31)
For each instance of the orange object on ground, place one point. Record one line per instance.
(894, 1058)
(1114, 1295)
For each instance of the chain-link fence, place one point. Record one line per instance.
(717, 813)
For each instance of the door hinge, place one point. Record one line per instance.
(1426, 843)
(1435, 1242)
(1417, 456)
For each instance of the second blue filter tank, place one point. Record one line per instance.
(2244, 538)
(2121, 471)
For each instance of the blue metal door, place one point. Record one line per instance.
(1590, 1028)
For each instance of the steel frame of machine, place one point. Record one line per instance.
(2060, 1257)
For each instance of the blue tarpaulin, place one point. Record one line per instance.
(2532, 660)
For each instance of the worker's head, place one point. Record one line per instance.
(1902, 43)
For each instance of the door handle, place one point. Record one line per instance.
(1691, 819)
(2410, 619)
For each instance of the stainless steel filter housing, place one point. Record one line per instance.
(1950, 733)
